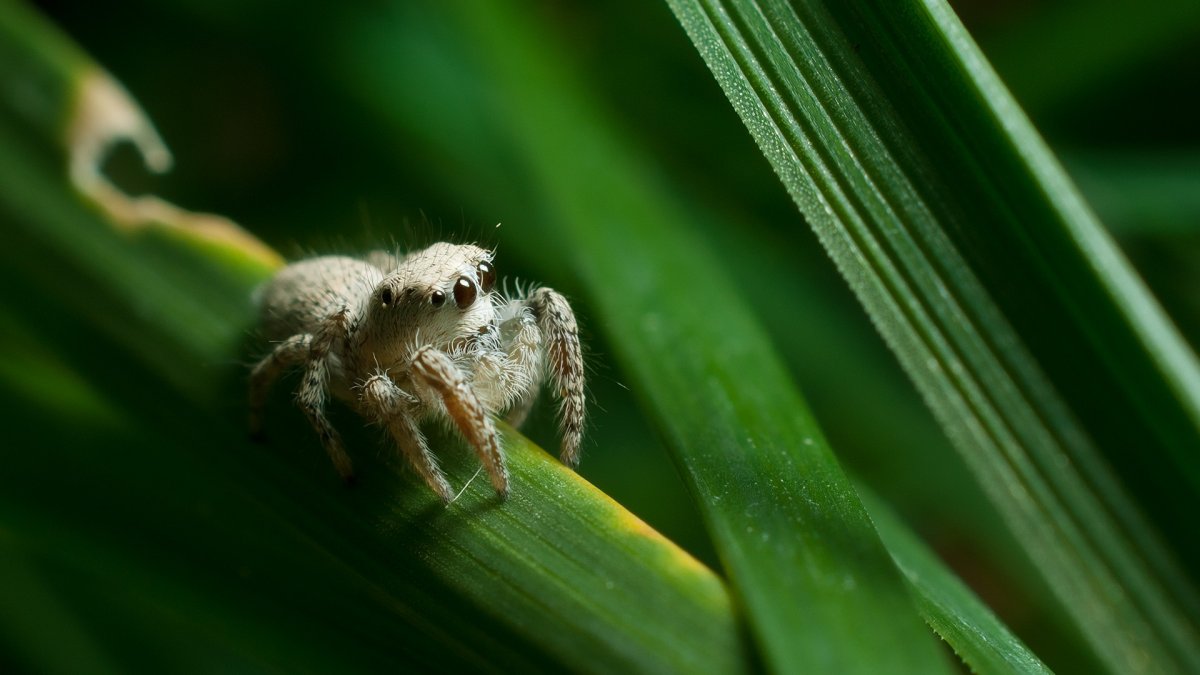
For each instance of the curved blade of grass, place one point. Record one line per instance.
(172, 539)
(949, 607)
(162, 557)
(993, 284)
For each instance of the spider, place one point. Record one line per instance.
(403, 340)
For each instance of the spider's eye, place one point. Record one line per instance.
(464, 292)
(437, 299)
(487, 276)
(385, 296)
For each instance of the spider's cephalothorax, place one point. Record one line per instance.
(405, 339)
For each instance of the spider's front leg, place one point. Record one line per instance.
(390, 406)
(437, 370)
(560, 335)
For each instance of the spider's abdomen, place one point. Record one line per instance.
(303, 294)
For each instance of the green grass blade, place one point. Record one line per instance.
(949, 607)
(130, 490)
(994, 285)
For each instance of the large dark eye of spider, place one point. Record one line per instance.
(385, 296)
(464, 292)
(487, 276)
(437, 298)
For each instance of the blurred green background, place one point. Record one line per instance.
(338, 128)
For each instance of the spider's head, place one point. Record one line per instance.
(440, 296)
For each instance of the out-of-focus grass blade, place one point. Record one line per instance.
(1039, 350)
(951, 609)
(175, 540)
(1141, 194)
(1052, 52)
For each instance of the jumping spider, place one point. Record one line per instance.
(404, 340)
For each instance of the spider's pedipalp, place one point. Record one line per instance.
(435, 369)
